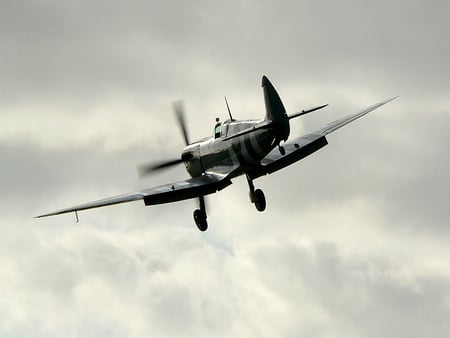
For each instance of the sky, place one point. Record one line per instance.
(354, 240)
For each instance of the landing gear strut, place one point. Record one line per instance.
(256, 196)
(200, 216)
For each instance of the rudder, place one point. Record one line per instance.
(275, 110)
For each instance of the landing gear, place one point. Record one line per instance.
(200, 216)
(282, 150)
(200, 219)
(260, 200)
(256, 196)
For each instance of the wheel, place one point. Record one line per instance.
(200, 220)
(260, 200)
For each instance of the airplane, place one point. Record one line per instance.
(253, 148)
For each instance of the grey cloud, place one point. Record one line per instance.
(32, 176)
(98, 49)
(358, 297)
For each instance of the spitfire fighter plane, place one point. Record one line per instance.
(252, 148)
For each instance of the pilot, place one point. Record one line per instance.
(217, 128)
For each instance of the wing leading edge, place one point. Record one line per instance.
(194, 187)
(305, 145)
(332, 126)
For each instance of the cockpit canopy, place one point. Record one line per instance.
(217, 130)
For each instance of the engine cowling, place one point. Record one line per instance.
(192, 162)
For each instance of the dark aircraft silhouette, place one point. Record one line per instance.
(252, 148)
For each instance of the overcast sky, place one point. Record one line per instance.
(355, 238)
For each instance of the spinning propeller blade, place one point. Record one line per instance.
(146, 169)
(179, 113)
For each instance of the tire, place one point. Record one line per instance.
(200, 220)
(260, 200)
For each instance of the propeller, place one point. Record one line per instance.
(179, 113)
(146, 169)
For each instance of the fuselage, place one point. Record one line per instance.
(243, 151)
(240, 144)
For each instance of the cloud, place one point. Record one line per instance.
(353, 296)
(107, 283)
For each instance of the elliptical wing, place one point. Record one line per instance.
(300, 147)
(191, 188)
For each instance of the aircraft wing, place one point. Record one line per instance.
(332, 126)
(305, 145)
(206, 184)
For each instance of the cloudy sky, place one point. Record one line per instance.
(354, 242)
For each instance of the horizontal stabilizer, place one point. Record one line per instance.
(304, 112)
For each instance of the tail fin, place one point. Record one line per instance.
(275, 110)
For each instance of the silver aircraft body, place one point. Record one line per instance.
(252, 148)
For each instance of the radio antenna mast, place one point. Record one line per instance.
(228, 107)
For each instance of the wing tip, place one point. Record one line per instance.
(46, 215)
(391, 99)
